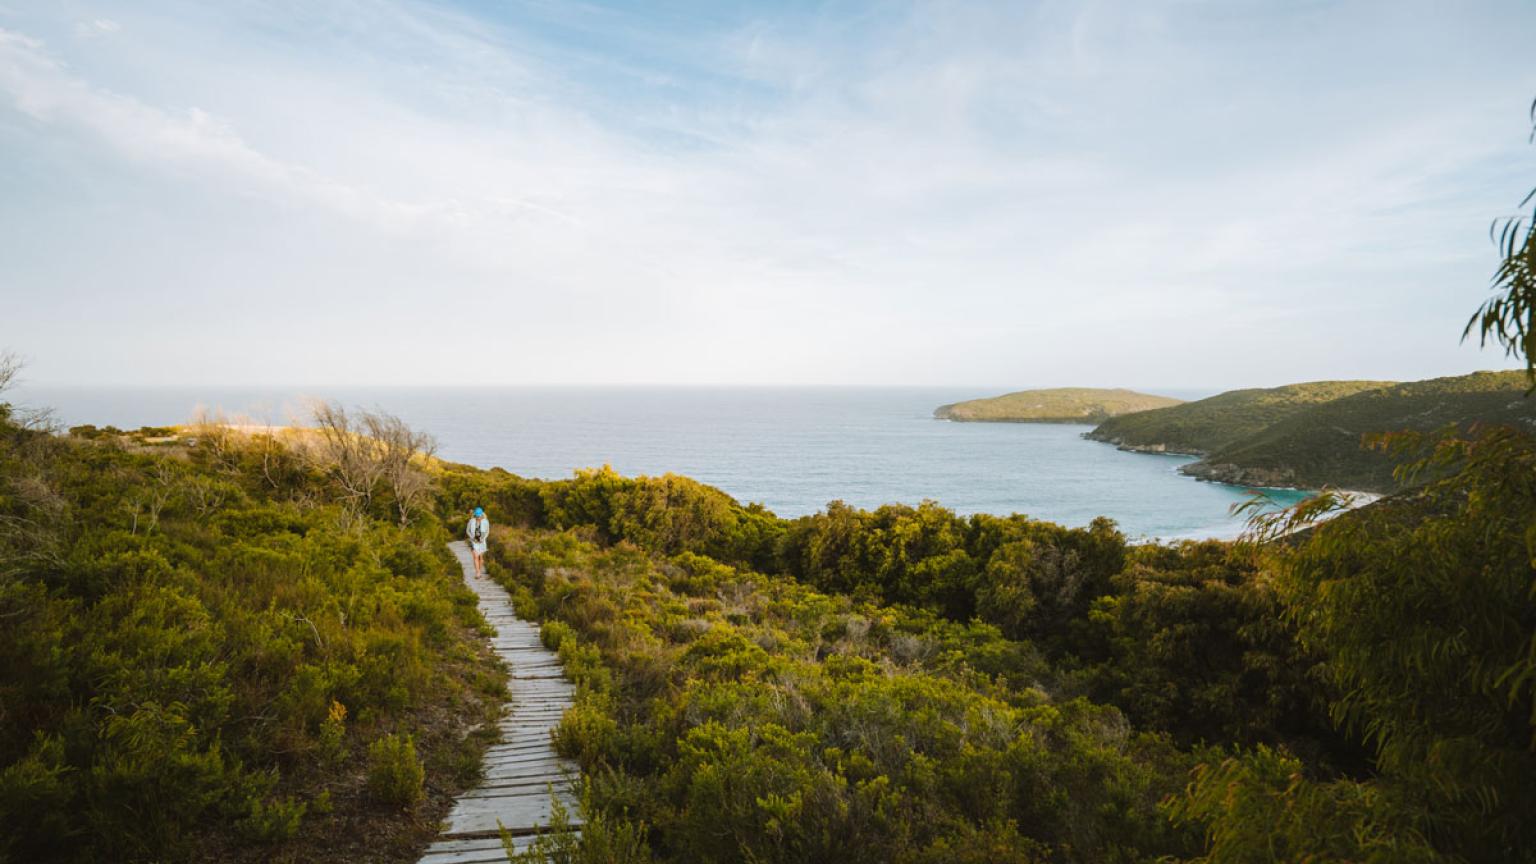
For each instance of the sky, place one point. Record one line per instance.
(400, 192)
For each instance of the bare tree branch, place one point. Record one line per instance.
(369, 454)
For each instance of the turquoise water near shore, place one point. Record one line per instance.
(792, 449)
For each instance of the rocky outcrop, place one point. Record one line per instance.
(1236, 475)
(1158, 447)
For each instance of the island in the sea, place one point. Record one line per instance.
(1054, 405)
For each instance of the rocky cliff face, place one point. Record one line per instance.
(1141, 448)
(1239, 476)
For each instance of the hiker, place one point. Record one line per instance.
(478, 531)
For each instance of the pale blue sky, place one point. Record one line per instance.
(1175, 194)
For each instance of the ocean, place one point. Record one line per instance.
(791, 449)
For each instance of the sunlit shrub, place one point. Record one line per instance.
(553, 634)
(272, 821)
(395, 774)
(333, 732)
(587, 733)
(181, 623)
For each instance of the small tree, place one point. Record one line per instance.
(34, 516)
(399, 449)
(345, 456)
(39, 419)
(395, 774)
(10, 367)
(371, 453)
(1509, 317)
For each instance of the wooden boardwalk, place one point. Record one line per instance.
(519, 769)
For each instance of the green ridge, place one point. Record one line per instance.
(1207, 425)
(1322, 444)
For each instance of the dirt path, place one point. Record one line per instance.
(520, 768)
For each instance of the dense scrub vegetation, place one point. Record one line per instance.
(230, 648)
(905, 684)
(750, 717)
(1208, 425)
(1424, 610)
(252, 648)
(1055, 405)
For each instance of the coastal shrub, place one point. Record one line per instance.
(1036, 580)
(272, 821)
(599, 838)
(785, 724)
(1426, 612)
(553, 634)
(395, 774)
(184, 624)
(36, 795)
(667, 515)
(587, 732)
(1193, 641)
(1261, 807)
(181, 624)
(1302, 675)
(333, 731)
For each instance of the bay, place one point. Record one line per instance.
(791, 449)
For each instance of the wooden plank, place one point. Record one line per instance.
(476, 851)
(520, 770)
(527, 791)
(532, 721)
(526, 761)
(554, 771)
(514, 728)
(540, 783)
(507, 772)
(503, 757)
(544, 761)
(480, 817)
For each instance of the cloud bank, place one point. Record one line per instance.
(393, 192)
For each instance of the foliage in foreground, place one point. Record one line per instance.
(206, 641)
(908, 684)
(749, 717)
(201, 641)
(1508, 318)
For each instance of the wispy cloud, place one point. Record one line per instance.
(44, 89)
(1007, 193)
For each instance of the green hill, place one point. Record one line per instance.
(1056, 405)
(1322, 444)
(1207, 425)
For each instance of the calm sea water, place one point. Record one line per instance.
(792, 449)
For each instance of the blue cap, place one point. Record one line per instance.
(479, 512)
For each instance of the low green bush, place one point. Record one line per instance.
(395, 774)
(272, 821)
(181, 626)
